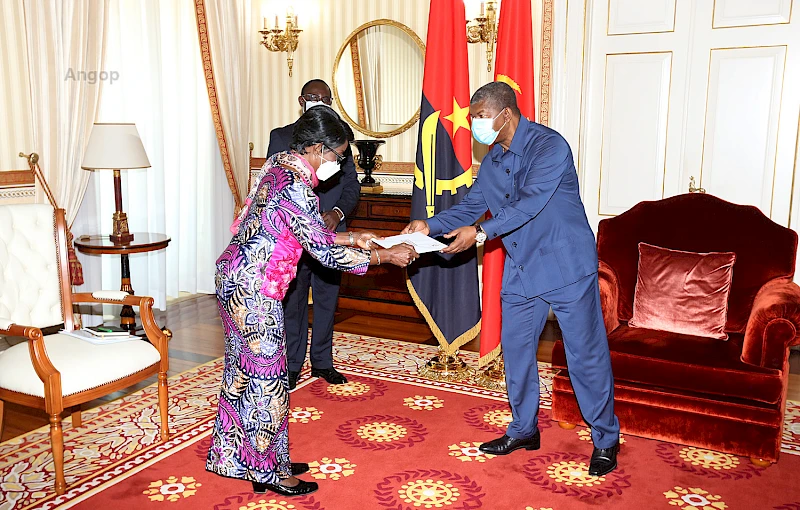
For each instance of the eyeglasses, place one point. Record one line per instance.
(328, 100)
(339, 157)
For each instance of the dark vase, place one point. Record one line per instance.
(368, 159)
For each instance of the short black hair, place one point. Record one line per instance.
(313, 82)
(497, 94)
(320, 124)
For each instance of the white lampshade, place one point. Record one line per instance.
(114, 146)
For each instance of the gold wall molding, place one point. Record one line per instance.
(545, 68)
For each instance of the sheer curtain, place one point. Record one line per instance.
(65, 42)
(154, 48)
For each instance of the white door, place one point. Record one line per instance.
(676, 90)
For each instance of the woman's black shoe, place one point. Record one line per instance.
(300, 489)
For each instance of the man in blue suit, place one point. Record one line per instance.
(529, 184)
(338, 197)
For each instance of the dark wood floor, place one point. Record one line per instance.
(197, 339)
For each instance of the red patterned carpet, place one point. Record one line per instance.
(386, 440)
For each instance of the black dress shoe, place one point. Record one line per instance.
(293, 377)
(505, 445)
(300, 489)
(604, 460)
(298, 468)
(329, 374)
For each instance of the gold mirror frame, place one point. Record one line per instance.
(375, 134)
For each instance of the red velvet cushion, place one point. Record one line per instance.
(682, 292)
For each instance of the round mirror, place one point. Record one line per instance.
(377, 78)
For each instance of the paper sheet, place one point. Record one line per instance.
(420, 242)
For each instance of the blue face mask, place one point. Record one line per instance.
(483, 129)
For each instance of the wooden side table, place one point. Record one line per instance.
(142, 242)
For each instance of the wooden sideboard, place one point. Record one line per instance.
(383, 288)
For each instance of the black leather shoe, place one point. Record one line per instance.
(300, 489)
(604, 460)
(293, 377)
(329, 374)
(505, 445)
(298, 468)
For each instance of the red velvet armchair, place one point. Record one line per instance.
(724, 395)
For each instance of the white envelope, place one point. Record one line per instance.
(420, 242)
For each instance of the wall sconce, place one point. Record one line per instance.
(483, 29)
(275, 39)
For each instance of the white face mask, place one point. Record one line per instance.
(327, 169)
(311, 104)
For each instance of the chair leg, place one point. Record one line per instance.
(57, 445)
(163, 404)
(77, 420)
(2, 422)
(566, 425)
(760, 462)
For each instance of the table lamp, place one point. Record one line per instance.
(115, 146)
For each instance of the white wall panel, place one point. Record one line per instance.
(635, 112)
(741, 13)
(744, 98)
(640, 16)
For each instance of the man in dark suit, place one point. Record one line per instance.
(337, 199)
(529, 183)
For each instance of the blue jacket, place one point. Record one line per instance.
(532, 192)
(342, 190)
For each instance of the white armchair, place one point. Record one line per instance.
(57, 371)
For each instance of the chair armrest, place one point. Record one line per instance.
(109, 297)
(773, 325)
(157, 336)
(47, 373)
(609, 296)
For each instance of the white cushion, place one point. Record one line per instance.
(30, 290)
(5, 323)
(83, 365)
(113, 295)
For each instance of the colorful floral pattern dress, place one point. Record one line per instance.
(280, 219)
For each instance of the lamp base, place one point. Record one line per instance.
(375, 188)
(120, 233)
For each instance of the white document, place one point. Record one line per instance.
(420, 242)
(85, 335)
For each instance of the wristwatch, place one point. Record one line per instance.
(480, 236)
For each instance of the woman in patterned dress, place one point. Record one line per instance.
(280, 219)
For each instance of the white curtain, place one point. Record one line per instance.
(153, 46)
(65, 43)
(230, 33)
(16, 125)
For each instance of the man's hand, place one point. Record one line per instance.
(400, 255)
(331, 219)
(417, 226)
(364, 239)
(465, 238)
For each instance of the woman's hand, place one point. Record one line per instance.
(400, 255)
(364, 239)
